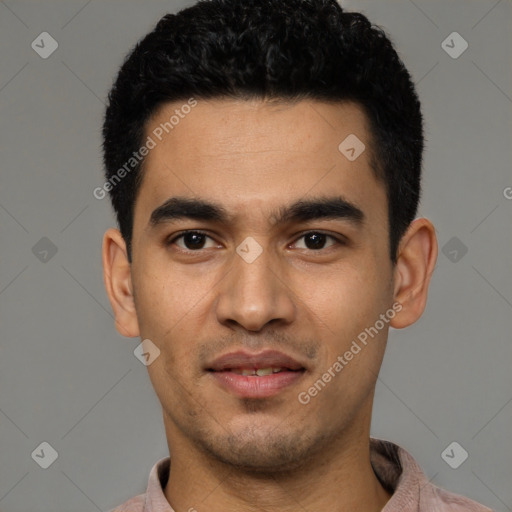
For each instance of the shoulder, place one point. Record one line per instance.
(410, 489)
(444, 500)
(153, 498)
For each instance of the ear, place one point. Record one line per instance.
(118, 283)
(416, 259)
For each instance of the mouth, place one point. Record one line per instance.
(259, 372)
(259, 375)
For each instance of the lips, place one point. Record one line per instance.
(256, 375)
(245, 360)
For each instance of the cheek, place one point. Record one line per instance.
(346, 301)
(165, 297)
(343, 308)
(168, 307)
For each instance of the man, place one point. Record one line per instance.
(264, 162)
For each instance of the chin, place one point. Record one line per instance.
(261, 450)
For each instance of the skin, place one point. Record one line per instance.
(253, 157)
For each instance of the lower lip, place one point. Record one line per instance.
(255, 386)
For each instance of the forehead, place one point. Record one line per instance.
(248, 154)
(221, 126)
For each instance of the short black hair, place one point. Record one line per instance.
(288, 50)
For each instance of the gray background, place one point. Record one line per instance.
(67, 377)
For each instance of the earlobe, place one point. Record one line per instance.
(417, 256)
(118, 283)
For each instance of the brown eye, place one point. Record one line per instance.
(192, 240)
(315, 240)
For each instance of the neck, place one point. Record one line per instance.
(340, 479)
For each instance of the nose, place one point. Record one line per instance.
(255, 294)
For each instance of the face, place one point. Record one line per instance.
(286, 266)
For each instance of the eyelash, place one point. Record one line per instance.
(339, 241)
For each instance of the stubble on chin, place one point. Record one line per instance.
(258, 450)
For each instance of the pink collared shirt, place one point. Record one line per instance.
(396, 469)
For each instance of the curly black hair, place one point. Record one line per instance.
(270, 50)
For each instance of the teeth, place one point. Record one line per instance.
(261, 372)
(264, 371)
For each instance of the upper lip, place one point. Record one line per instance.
(265, 359)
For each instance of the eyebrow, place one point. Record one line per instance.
(328, 208)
